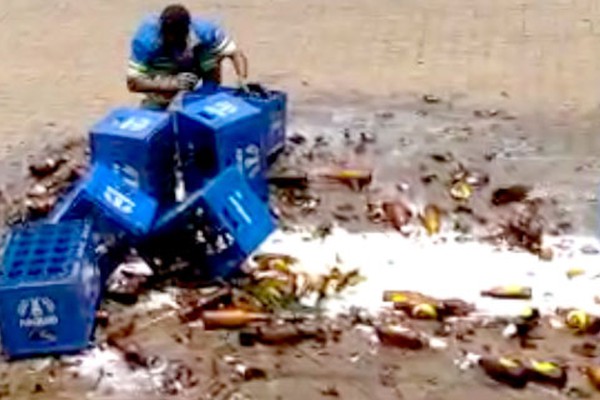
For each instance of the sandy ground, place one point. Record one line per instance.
(63, 62)
(63, 65)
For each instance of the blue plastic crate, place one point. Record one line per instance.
(140, 145)
(227, 215)
(105, 196)
(271, 102)
(49, 289)
(218, 131)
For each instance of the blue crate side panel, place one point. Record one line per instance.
(230, 129)
(41, 320)
(139, 144)
(103, 193)
(229, 199)
(273, 104)
(49, 289)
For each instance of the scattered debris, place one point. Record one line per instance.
(461, 191)
(356, 179)
(431, 99)
(547, 373)
(508, 292)
(46, 167)
(230, 318)
(582, 322)
(586, 349)
(297, 139)
(504, 370)
(128, 281)
(330, 391)
(525, 229)
(297, 180)
(431, 219)
(593, 374)
(442, 158)
(510, 194)
(575, 272)
(400, 336)
(398, 214)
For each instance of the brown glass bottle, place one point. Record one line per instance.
(509, 292)
(230, 318)
(504, 370)
(399, 337)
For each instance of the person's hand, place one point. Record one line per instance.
(243, 85)
(186, 81)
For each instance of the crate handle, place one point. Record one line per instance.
(238, 210)
(207, 115)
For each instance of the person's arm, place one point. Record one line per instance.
(227, 48)
(143, 83)
(240, 64)
(139, 79)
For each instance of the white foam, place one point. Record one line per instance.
(445, 268)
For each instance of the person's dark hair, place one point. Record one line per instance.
(175, 20)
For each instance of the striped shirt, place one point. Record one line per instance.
(149, 58)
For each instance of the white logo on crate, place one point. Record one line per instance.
(37, 312)
(135, 124)
(221, 109)
(118, 200)
(248, 159)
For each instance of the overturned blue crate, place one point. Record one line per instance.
(271, 102)
(49, 289)
(105, 197)
(217, 131)
(227, 216)
(140, 145)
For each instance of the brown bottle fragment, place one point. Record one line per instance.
(194, 311)
(504, 370)
(509, 292)
(289, 180)
(593, 374)
(230, 318)
(547, 373)
(510, 194)
(431, 219)
(281, 335)
(397, 213)
(401, 337)
(356, 179)
(582, 322)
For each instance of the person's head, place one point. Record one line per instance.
(175, 26)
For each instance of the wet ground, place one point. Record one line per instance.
(517, 88)
(396, 140)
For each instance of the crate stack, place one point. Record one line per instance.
(219, 141)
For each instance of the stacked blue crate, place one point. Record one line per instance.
(217, 131)
(140, 145)
(106, 197)
(271, 102)
(227, 215)
(49, 289)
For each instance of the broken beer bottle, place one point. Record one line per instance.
(230, 318)
(505, 370)
(399, 336)
(356, 179)
(508, 292)
(547, 373)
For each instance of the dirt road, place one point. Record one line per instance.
(63, 62)
(63, 65)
